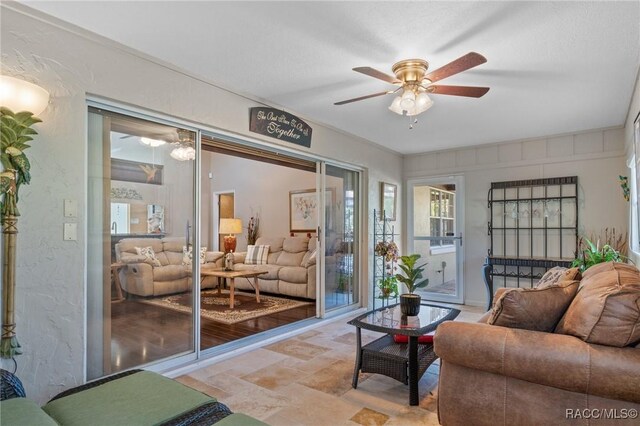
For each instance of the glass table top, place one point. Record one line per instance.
(390, 319)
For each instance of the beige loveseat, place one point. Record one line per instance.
(138, 276)
(291, 267)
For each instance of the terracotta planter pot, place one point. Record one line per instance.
(410, 304)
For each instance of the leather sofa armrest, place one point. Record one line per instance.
(556, 360)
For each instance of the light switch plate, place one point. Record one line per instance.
(70, 232)
(70, 208)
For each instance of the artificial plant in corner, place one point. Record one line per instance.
(16, 132)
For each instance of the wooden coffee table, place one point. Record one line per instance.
(231, 276)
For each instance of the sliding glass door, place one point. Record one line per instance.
(341, 237)
(154, 194)
(140, 217)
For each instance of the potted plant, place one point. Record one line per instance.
(412, 278)
(592, 254)
(388, 287)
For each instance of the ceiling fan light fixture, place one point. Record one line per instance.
(408, 101)
(183, 153)
(395, 105)
(154, 143)
(423, 102)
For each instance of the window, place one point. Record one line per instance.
(635, 215)
(441, 220)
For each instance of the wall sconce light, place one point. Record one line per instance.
(19, 95)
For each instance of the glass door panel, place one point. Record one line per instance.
(435, 234)
(342, 202)
(140, 212)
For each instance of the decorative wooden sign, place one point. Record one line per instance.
(280, 125)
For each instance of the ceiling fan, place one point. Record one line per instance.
(411, 77)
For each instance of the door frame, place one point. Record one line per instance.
(215, 216)
(458, 181)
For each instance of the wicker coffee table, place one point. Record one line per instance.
(404, 362)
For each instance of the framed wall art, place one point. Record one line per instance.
(303, 209)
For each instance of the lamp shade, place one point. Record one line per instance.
(230, 226)
(19, 95)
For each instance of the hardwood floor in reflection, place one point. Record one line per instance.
(142, 333)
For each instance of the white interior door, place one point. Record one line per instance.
(435, 226)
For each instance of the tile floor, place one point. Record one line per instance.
(306, 380)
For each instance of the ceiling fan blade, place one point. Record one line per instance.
(371, 72)
(469, 91)
(463, 63)
(361, 98)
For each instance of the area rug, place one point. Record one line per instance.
(216, 307)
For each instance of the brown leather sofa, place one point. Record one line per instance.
(493, 375)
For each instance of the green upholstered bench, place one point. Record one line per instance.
(128, 399)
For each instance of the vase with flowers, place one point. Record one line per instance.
(253, 229)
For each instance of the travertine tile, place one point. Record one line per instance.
(203, 387)
(335, 379)
(274, 377)
(369, 417)
(241, 364)
(312, 407)
(306, 380)
(297, 349)
(258, 402)
(308, 334)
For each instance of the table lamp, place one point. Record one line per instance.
(230, 227)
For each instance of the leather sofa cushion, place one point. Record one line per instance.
(272, 270)
(295, 244)
(606, 309)
(536, 309)
(293, 274)
(169, 272)
(557, 274)
(290, 259)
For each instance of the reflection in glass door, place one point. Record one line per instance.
(341, 237)
(435, 232)
(140, 212)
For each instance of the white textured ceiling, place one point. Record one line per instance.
(553, 67)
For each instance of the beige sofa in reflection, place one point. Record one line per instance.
(291, 267)
(140, 277)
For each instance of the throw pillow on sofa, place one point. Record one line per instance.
(536, 309)
(257, 255)
(606, 310)
(149, 254)
(557, 274)
(187, 255)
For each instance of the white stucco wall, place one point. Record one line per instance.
(50, 298)
(596, 157)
